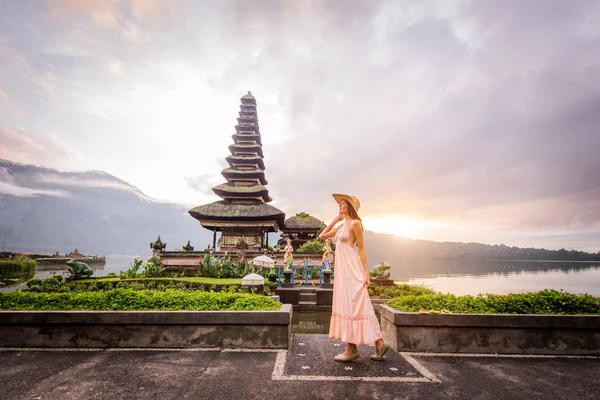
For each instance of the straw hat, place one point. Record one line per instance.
(352, 200)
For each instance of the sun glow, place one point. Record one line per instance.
(395, 225)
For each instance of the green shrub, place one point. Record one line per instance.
(17, 269)
(403, 289)
(312, 246)
(131, 300)
(53, 283)
(548, 301)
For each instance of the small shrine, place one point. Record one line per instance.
(188, 247)
(74, 254)
(242, 216)
(301, 228)
(157, 246)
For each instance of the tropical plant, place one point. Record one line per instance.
(134, 267)
(312, 246)
(153, 268)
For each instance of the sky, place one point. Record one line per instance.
(472, 121)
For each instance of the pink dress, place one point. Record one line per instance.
(352, 318)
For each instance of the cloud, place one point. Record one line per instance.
(465, 113)
(75, 181)
(8, 187)
(4, 101)
(102, 13)
(20, 146)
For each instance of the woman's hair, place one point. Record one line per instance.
(353, 214)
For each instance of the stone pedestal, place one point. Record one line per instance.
(287, 282)
(327, 274)
(324, 297)
(383, 282)
(288, 295)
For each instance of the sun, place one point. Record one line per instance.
(394, 225)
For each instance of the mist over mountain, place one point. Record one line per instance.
(44, 210)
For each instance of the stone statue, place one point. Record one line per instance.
(381, 271)
(288, 257)
(79, 270)
(327, 254)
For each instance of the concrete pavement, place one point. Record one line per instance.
(305, 371)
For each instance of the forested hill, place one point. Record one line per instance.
(383, 246)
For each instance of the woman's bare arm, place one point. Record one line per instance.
(330, 232)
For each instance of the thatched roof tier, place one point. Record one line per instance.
(247, 148)
(248, 99)
(246, 136)
(245, 160)
(249, 114)
(247, 129)
(235, 174)
(223, 212)
(247, 120)
(248, 107)
(302, 222)
(229, 191)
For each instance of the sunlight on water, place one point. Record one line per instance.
(573, 281)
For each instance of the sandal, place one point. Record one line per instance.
(345, 358)
(378, 356)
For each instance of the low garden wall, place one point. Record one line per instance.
(491, 333)
(152, 329)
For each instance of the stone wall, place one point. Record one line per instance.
(153, 329)
(491, 333)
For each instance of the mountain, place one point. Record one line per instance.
(44, 210)
(391, 247)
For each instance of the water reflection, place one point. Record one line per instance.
(572, 280)
(311, 322)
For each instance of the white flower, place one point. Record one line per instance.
(348, 368)
(301, 354)
(136, 258)
(305, 367)
(393, 369)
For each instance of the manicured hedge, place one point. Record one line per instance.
(136, 300)
(17, 269)
(397, 290)
(547, 301)
(56, 283)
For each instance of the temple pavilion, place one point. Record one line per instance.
(242, 216)
(301, 228)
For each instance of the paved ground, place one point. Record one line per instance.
(306, 371)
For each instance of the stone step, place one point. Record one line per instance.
(307, 289)
(306, 306)
(306, 296)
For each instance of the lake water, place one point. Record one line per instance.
(464, 277)
(500, 277)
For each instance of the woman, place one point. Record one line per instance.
(353, 319)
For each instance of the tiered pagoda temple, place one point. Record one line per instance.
(243, 215)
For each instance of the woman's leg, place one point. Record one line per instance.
(350, 348)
